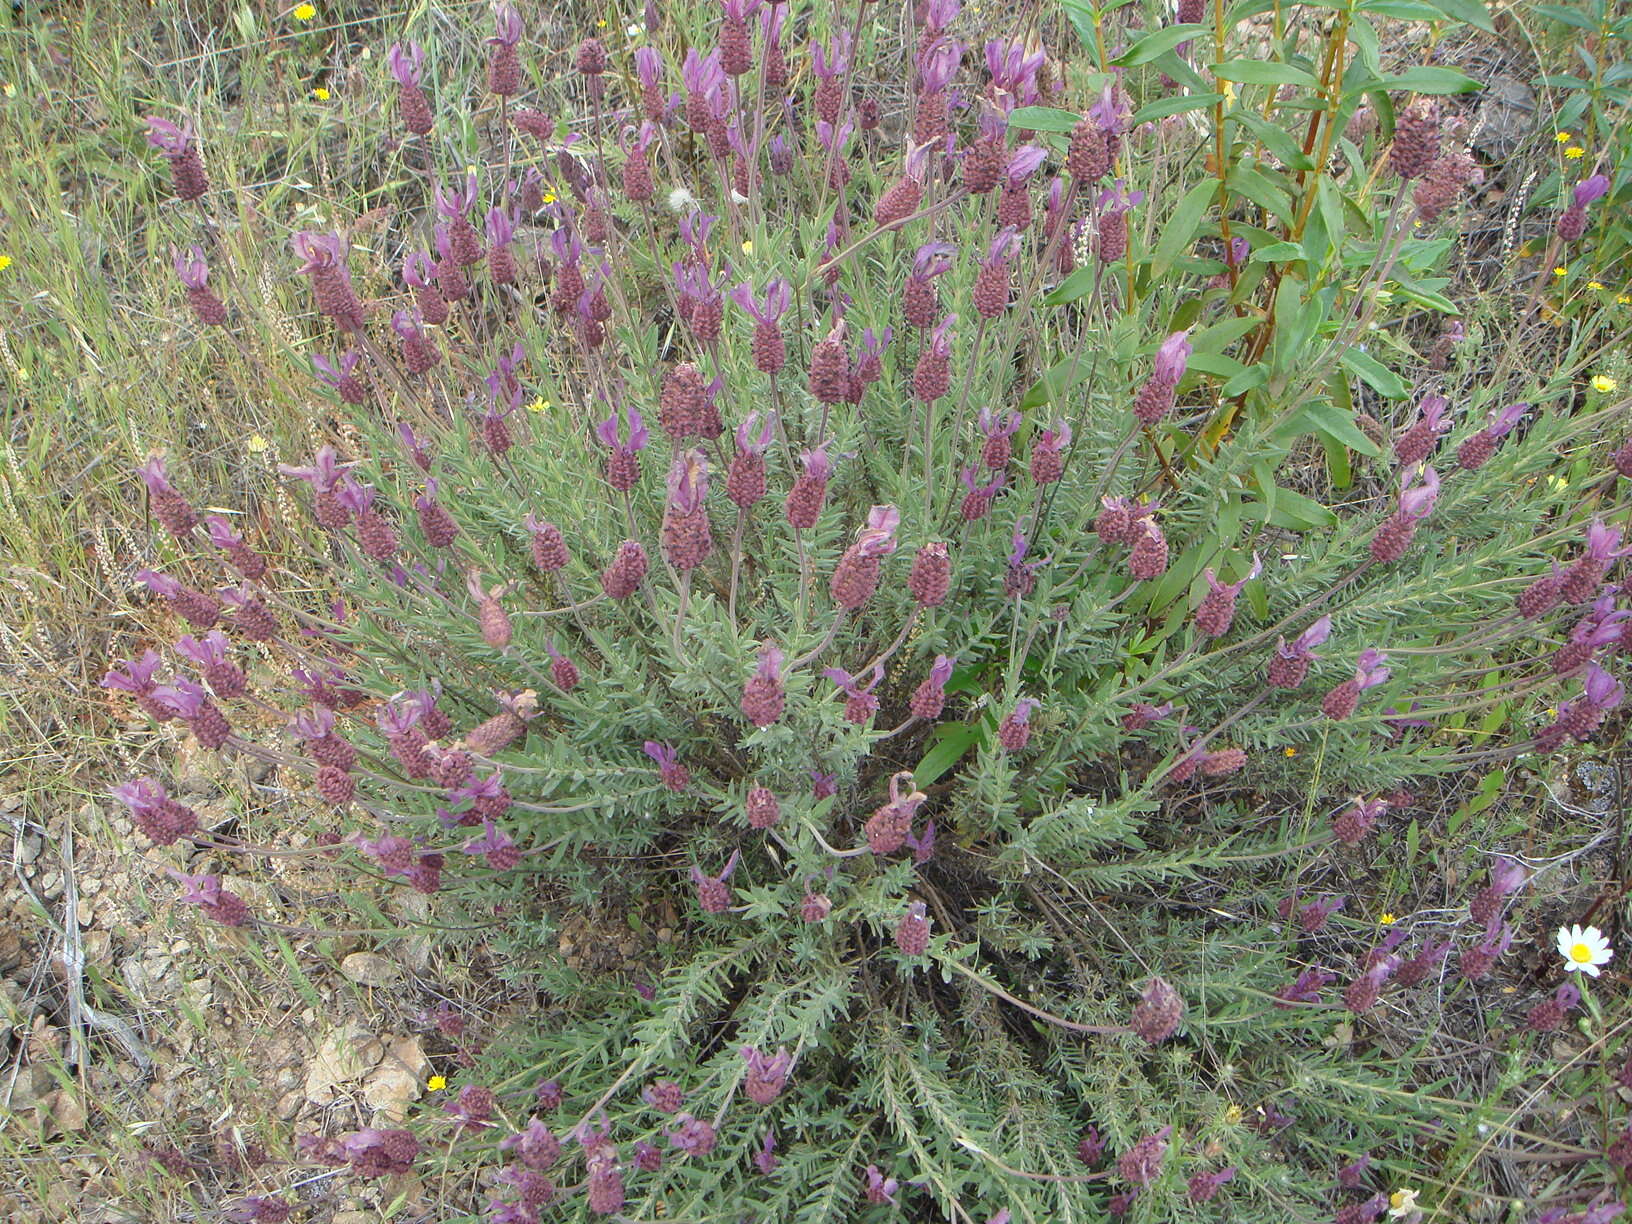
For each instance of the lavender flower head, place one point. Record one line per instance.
(191, 269)
(134, 675)
(1303, 646)
(938, 64)
(1587, 191)
(1023, 163)
(778, 297)
(455, 203)
(1117, 198)
(406, 64)
(1603, 691)
(1014, 73)
(1173, 356)
(1111, 111)
(752, 442)
(767, 1074)
(1503, 420)
(607, 432)
(175, 140)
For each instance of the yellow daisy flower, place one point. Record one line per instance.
(1290, 751)
(748, 246)
(1623, 299)
(1561, 271)
(540, 404)
(321, 94)
(304, 12)
(1563, 137)
(1387, 918)
(1595, 284)
(5, 262)
(1575, 152)
(1603, 384)
(436, 1083)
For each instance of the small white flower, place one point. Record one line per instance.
(1402, 1203)
(634, 31)
(1584, 949)
(681, 201)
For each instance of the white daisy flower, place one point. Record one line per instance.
(1402, 1203)
(1584, 949)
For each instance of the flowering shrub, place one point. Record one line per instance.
(992, 587)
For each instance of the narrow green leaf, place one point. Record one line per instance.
(1569, 16)
(1043, 119)
(1422, 79)
(1296, 512)
(1163, 107)
(1278, 252)
(1471, 11)
(1277, 140)
(1181, 227)
(951, 743)
(1250, 379)
(1078, 285)
(1374, 374)
(1158, 42)
(1245, 181)
(1327, 420)
(1264, 72)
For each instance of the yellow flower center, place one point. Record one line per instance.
(1580, 953)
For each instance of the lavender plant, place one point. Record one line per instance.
(901, 555)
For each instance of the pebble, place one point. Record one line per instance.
(370, 969)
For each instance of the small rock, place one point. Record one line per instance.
(66, 1113)
(396, 1081)
(289, 1105)
(346, 1055)
(1507, 114)
(370, 969)
(29, 847)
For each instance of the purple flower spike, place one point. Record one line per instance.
(191, 268)
(1603, 691)
(1014, 73)
(938, 64)
(406, 64)
(880, 1189)
(778, 297)
(765, 1158)
(1417, 500)
(1502, 422)
(1023, 163)
(1587, 191)
(1173, 356)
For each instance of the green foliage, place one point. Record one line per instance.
(1115, 844)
